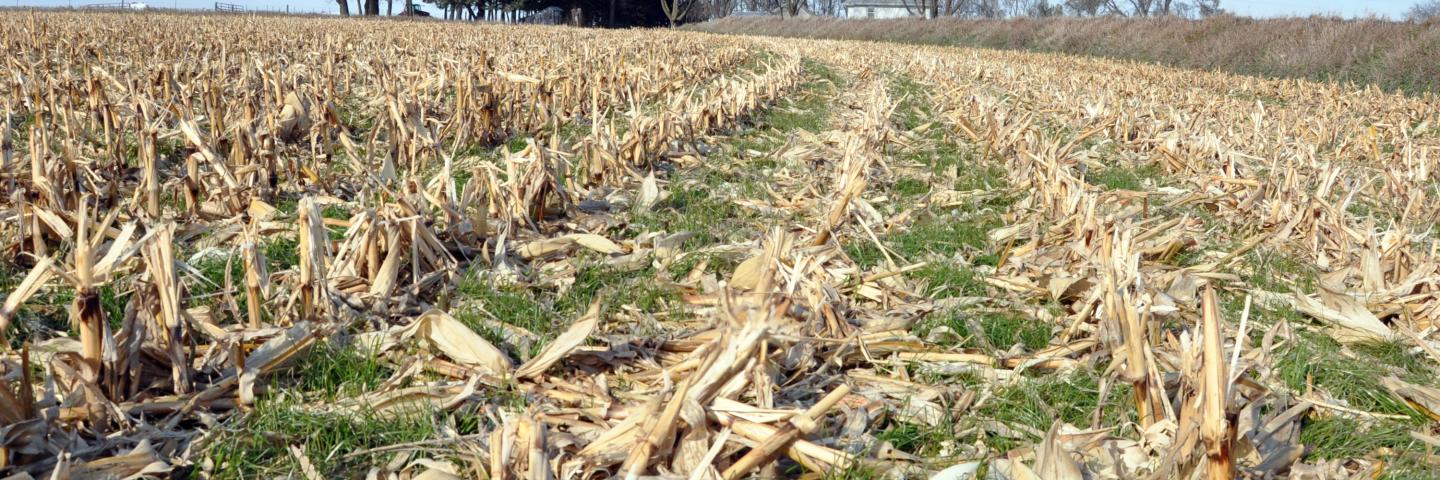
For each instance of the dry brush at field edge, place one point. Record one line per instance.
(1390, 55)
(296, 256)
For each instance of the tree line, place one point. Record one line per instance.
(631, 13)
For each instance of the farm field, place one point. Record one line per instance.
(287, 247)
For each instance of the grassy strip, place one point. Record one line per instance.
(256, 446)
(954, 241)
(955, 244)
(703, 198)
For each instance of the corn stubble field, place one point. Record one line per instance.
(260, 247)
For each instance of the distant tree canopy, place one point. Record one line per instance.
(1086, 8)
(602, 13)
(1426, 10)
(642, 13)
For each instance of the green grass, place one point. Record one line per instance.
(257, 445)
(946, 154)
(212, 269)
(19, 126)
(282, 253)
(939, 234)
(997, 330)
(917, 439)
(1040, 402)
(45, 312)
(809, 109)
(913, 105)
(715, 263)
(113, 304)
(332, 371)
(514, 305)
(287, 206)
(1318, 360)
(949, 279)
(1331, 436)
(1351, 374)
(853, 471)
(352, 114)
(702, 199)
(48, 309)
(953, 240)
(516, 144)
(695, 209)
(1274, 271)
(336, 212)
(1396, 355)
(1188, 257)
(942, 152)
(547, 313)
(1118, 177)
(908, 187)
(1409, 467)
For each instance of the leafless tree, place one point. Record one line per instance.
(1043, 8)
(1423, 11)
(790, 8)
(1196, 8)
(1145, 8)
(722, 8)
(676, 9)
(1091, 7)
(1141, 8)
(829, 8)
(935, 8)
(760, 5)
(986, 9)
(709, 10)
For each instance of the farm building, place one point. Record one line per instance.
(879, 9)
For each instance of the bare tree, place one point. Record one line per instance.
(1206, 8)
(1083, 8)
(676, 9)
(709, 10)
(1423, 11)
(935, 8)
(344, 7)
(1141, 8)
(987, 9)
(1146, 8)
(790, 8)
(825, 7)
(762, 5)
(722, 8)
(1043, 8)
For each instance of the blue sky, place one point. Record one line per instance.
(1347, 8)
(1258, 8)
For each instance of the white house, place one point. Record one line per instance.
(881, 9)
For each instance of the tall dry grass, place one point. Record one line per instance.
(1403, 56)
